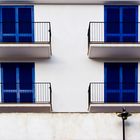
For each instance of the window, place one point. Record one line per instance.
(16, 24)
(17, 82)
(121, 23)
(121, 82)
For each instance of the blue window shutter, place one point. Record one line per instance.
(129, 88)
(113, 16)
(129, 16)
(130, 24)
(25, 22)
(121, 82)
(112, 82)
(19, 26)
(9, 82)
(112, 26)
(8, 19)
(25, 72)
(26, 25)
(121, 23)
(20, 86)
(9, 75)
(26, 81)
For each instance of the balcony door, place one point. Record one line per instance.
(16, 24)
(121, 82)
(121, 23)
(17, 82)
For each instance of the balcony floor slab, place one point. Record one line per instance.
(114, 50)
(25, 50)
(25, 108)
(113, 108)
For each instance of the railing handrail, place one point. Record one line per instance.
(89, 95)
(50, 96)
(50, 34)
(88, 34)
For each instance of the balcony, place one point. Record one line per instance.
(27, 97)
(98, 102)
(101, 47)
(25, 40)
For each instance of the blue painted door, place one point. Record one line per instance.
(121, 23)
(121, 82)
(17, 82)
(17, 24)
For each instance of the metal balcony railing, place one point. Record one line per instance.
(100, 32)
(25, 32)
(32, 93)
(95, 32)
(96, 92)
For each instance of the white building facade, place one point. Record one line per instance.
(67, 67)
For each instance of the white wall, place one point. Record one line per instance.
(69, 69)
(67, 126)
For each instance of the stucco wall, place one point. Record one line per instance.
(69, 69)
(67, 126)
